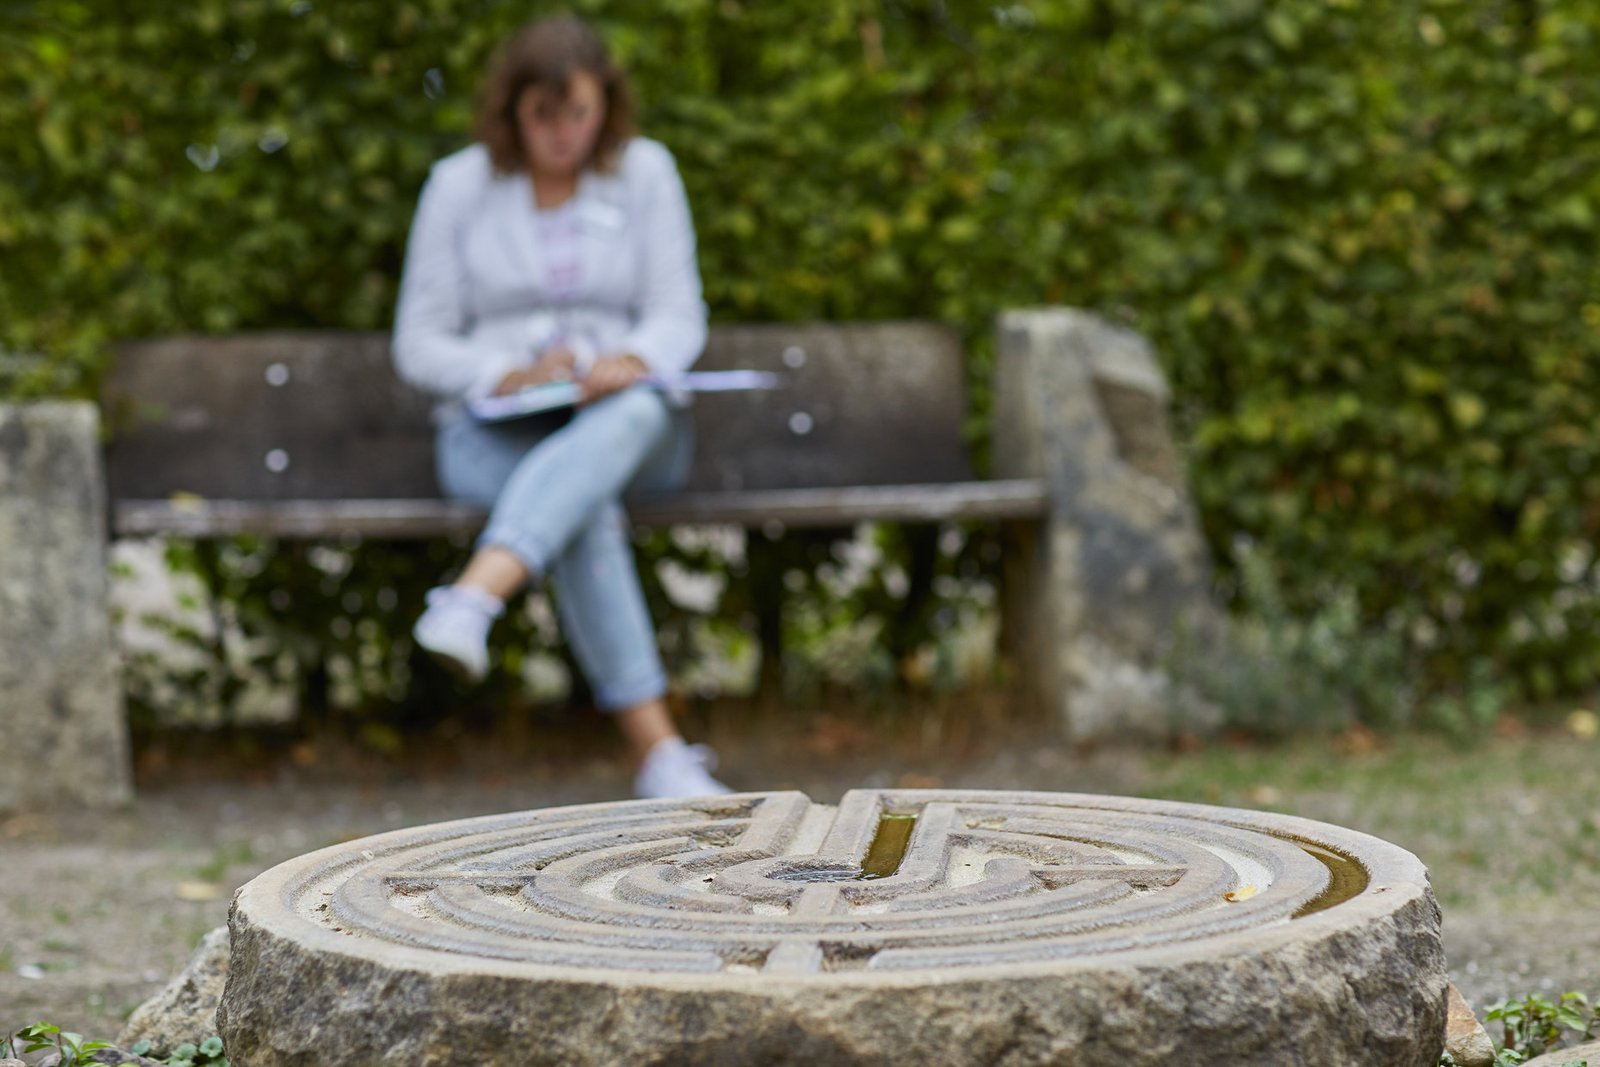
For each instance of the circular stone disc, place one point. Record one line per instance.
(902, 926)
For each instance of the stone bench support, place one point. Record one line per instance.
(1097, 592)
(62, 730)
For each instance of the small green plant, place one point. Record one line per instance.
(206, 1054)
(1285, 672)
(1288, 670)
(72, 1048)
(74, 1051)
(1536, 1024)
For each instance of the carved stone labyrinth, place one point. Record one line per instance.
(778, 885)
(925, 927)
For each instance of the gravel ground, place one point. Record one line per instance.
(97, 911)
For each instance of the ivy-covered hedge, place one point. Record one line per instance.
(1362, 233)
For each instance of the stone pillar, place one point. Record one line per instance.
(1097, 593)
(62, 729)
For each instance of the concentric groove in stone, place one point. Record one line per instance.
(767, 881)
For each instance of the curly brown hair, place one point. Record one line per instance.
(545, 55)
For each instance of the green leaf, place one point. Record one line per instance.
(1283, 29)
(1467, 409)
(1286, 159)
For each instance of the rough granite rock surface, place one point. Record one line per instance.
(116, 1057)
(1464, 1036)
(61, 723)
(186, 1009)
(1014, 928)
(1579, 1054)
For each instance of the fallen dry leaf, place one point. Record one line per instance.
(198, 891)
(1584, 724)
(1244, 892)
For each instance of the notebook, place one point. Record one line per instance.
(551, 396)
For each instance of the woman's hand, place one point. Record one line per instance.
(611, 374)
(555, 365)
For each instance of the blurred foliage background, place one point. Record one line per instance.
(1361, 234)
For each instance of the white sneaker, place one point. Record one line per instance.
(455, 629)
(674, 769)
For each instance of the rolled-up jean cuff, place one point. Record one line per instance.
(624, 695)
(529, 551)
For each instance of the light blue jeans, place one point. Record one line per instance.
(555, 490)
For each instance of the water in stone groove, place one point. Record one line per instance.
(1347, 879)
(888, 846)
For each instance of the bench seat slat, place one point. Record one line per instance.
(320, 415)
(300, 519)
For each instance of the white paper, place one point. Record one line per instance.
(553, 395)
(716, 381)
(529, 401)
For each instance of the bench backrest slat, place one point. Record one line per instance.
(321, 415)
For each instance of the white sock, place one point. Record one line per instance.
(470, 597)
(464, 609)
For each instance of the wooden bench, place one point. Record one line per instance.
(310, 435)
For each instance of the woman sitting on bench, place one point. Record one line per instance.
(558, 247)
